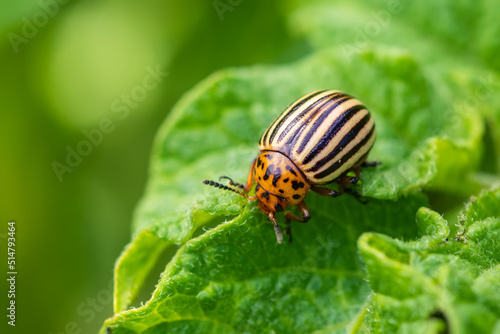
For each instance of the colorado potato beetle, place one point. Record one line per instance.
(317, 140)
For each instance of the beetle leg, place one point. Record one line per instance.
(277, 230)
(249, 183)
(343, 182)
(350, 191)
(356, 195)
(305, 216)
(325, 191)
(357, 171)
(371, 163)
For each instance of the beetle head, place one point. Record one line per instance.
(279, 182)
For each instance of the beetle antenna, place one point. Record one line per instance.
(231, 182)
(224, 187)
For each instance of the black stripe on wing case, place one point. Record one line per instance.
(291, 110)
(296, 135)
(346, 157)
(296, 118)
(346, 139)
(336, 127)
(314, 127)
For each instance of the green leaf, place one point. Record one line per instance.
(235, 277)
(435, 283)
(455, 27)
(139, 258)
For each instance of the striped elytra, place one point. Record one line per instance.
(319, 139)
(324, 134)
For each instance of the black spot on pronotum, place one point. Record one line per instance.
(281, 191)
(276, 176)
(296, 185)
(290, 169)
(278, 207)
(438, 314)
(269, 171)
(296, 196)
(285, 180)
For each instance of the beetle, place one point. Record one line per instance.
(317, 140)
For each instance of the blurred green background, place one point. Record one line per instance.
(62, 73)
(69, 66)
